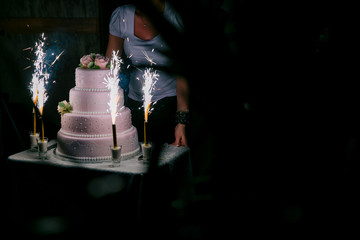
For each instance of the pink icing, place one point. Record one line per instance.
(91, 101)
(90, 78)
(98, 147)
(86, 132)
(95, 124)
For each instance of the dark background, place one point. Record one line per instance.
(274, 130)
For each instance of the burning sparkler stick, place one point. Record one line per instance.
(42, 99)
(150, 78)
(35, 98)
(39, 80)
(35, 82)
(112, 83)
(38, 90)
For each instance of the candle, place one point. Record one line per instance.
(42, 124)
(150, 78)
(35, 99)
(145, 133)
(34, 113)
(114, 135)
(145, 121)
(39, 80)
(42, 130)
(112, 83)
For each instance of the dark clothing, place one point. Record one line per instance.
(160, 127)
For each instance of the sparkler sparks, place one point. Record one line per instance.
(39, 80)
(148, 58)
(150, 78)
(28, 48)
(40, 76)
(57, 58)
(112, 83)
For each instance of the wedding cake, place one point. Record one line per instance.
(86, 125)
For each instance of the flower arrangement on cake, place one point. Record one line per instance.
(64, 107)
(94, 61)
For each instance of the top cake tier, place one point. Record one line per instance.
(90, 78)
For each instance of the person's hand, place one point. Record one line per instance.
(180, 137)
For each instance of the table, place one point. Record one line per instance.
(169, 155)
(87, 197)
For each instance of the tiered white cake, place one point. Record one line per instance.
(86, 132)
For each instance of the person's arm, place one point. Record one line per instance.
(182, 91)
(114, 44)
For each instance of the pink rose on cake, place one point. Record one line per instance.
(101, 61)
(86, 60)
(94, 61)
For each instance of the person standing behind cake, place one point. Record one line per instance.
(131, 31)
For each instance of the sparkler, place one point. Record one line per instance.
(112, 83)
(39, 80)
(42, 97)
(150, 78)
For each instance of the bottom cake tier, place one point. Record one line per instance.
(96, 149)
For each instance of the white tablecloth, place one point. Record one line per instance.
(94, 194)
(168, 155)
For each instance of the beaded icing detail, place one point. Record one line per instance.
(93, 135)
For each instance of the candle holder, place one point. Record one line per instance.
(115, 156)
(42, 147)
(33, 141)
(146, 149)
